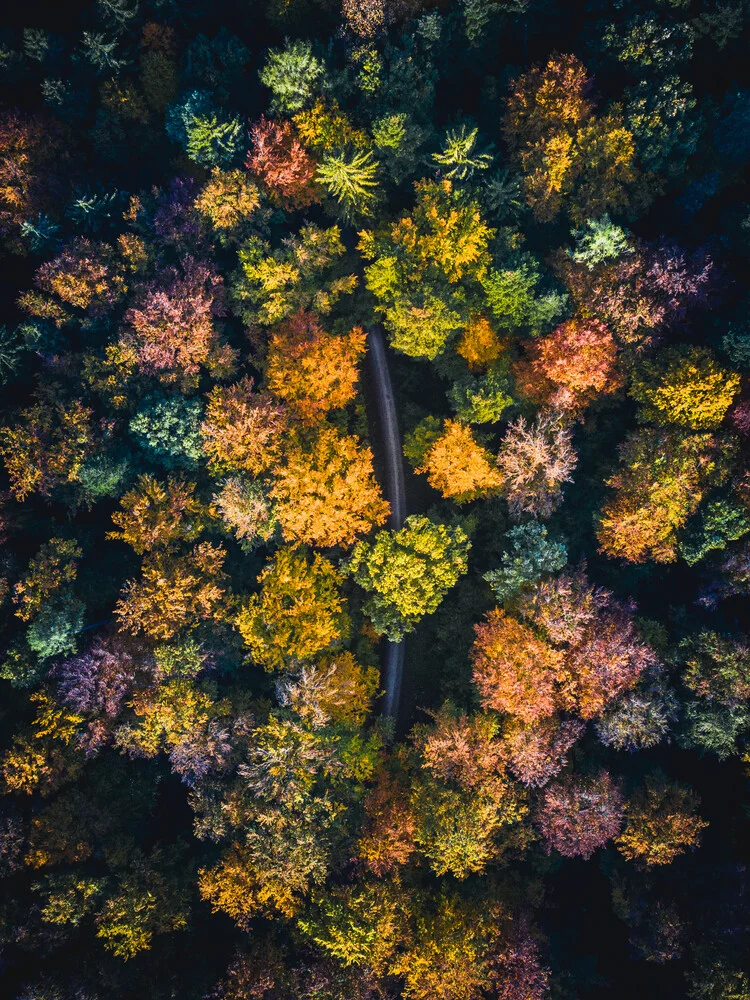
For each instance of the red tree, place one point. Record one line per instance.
(279, 160)
(577, 815)
(571, 366)
(171, 325)
(514, 669)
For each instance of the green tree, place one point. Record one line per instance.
(530, 556)
(459, 157)
(293, 75)
(350, 180)
(408, 572)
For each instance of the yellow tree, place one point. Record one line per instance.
(299, 612)
(661, 822)
(662, 481)
(174, 592)
(156, 515)
(459, 467)
(324, 488)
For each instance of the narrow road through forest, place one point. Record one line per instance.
(388, 438)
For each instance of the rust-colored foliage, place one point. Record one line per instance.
(514, 669)
(282, 164)
(172, 327)
(387, 842)
(642, 293)
(242, 429)
(603, 654)
(571, 366)
(538, 751)
(578, 814)
(312, 370)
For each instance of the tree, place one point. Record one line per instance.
(516, 970)
(609, 659)
(641, 294)
(571, 366)
(660, 822)
(175, 592)
(639, 719)
(182, 718)
(337, 690)
(534, 461)
(155, 515)
(52, 569)
(600, 241)
(684, 386)
(604, 654)
(537, 751)
(457, 466)
(484, 398)
(311, 369)
(96, 682)
(566, 153)
(461, 748)
(245, 509)
(446, 959)
(35, 157)
(208, 135)
(350, 181)
(171, 325)
(717, 667)
(514, 670)
(151, 898)
(387, 840)
(714, 728)
(306, 272)
(458, 155)
(663, 476)
(293, 75)
(87, 275)
(360, 925)
(408, 572)
(578, 814)
(324, 488)
(47, 444)
(299, 612)
(531, 555)
(214, 140)
(419, 263)
(242, 429)
(228, 200)
(168, 430)
(479, 345)
(511, 294)
(280, 162)
(457, 830)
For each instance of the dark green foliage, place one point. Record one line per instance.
(531, 555)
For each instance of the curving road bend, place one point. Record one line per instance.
(395, 494)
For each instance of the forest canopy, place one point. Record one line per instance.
(375, 500)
